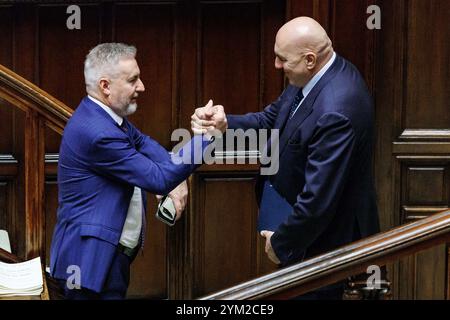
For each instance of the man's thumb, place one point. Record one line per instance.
(209, 110)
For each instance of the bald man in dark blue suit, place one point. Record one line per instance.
(322, 196)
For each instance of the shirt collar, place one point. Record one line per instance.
(108, 110)
(310, 85)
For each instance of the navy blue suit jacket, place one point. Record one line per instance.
(325, 168)
(99, 165)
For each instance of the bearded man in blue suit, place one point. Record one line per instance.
(322, 196)
(105, 167)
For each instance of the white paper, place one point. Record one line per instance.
(4, 241)
(24, 278)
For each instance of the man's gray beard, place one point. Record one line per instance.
(131, 108)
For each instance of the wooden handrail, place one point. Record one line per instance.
(26, 95)
(343, 262)
(7, 257)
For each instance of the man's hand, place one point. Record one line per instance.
(269, 250)
(179, 198)
(209, 118)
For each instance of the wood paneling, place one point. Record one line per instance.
(351, 37)
(6, 40)
(431, 273)
(427, 65)
(426, 186)
(230, 55)
(6, 58)
(226, 211)
(4, 199)
(412, 165)
(61, 53)
(228, 217)
(271, 79)
(152, 28)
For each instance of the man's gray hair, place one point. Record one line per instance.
(102, 60)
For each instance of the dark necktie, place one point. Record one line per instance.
(298, 97)
(124, 127)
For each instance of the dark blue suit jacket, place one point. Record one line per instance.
(325, 168)
(99, 165)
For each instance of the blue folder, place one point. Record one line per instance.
(273, 209)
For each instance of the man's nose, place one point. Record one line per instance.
(278, 64)
(140, 86)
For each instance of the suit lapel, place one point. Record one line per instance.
(93, 107)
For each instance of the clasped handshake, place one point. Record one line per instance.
(209, 120)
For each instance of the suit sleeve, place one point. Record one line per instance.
(259, 120)
(149, 147)
(329, 159)
(153, 170)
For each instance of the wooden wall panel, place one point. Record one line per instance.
(152, 29)
(4, 199)
(350, 35)
(226, 242)
(62, 51)
(229, 215)
(6, 58)
(61, 54)
(317, 9)
(412, 165)
(6, 40)
(426, 186)
(271, 79)
(427, 65)
(230, 55)
(431, 271)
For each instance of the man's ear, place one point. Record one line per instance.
(104, 86)
(311, 60)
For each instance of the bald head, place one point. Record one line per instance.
(302, 40)
(305, 34)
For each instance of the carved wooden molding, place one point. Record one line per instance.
(426, 134)
(7, 159)
(15, 89)
(421, 147)
(412, 213)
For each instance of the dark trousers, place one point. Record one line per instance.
(115, 287)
